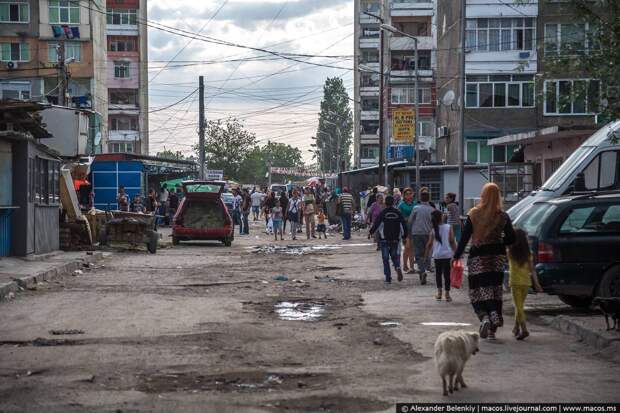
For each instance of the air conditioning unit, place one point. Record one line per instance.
(11, 65)
(442, 131)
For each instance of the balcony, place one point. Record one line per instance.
(369, 43)
(122, 30)
(365, 162)
(124, 136)
(123, 109)
(369, 139)
(366, 19)
(407, 75)
(369, 91)
(369, 115)
(408, 44)
(411, 8)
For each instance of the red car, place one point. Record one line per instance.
(202, 214)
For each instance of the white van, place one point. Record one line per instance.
(598, 158)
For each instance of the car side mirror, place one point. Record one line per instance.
(579, 184)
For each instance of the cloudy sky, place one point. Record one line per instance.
(275, 98)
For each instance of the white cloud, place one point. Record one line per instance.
(281, 107)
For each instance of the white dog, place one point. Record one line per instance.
(452, 350)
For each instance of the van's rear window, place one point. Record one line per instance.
(204, 188)
(531, 219)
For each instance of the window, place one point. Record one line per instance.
(486, 91)
(64, 12)
(369, 127)
(123, 123)
(370, 56)
(369, 152)
(19, 90)
(123, 96)
(406, 95)
(72, 50)
(425, 128)
(477, 151)
(122, 147)
(413, 28)
(493, 35)
(46, 181)
(370, 104)
(572, 97)
(369, 80)
(592, 219)
(371, 32)
(371, 7)
(406, 61)
(14, 13)
(122, 16)
(602, 173)
(19, 52)
(567, 38)
(122, 45)
(121, 69)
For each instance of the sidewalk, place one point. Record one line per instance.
(24, 272)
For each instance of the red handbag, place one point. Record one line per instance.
(456, 274)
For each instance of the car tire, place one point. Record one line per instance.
(175, 240)
(576, 301)
(610, 283)
(153, 241)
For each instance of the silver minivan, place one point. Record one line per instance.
(594, 166)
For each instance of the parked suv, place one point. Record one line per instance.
(575, 242)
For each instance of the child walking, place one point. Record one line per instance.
(277, 216)
(442, 244)
(522, 274)
(321, 228)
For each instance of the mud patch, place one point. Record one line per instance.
(299, 311)
(248, 381)
(329, 404)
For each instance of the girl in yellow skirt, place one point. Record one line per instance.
(522, 274)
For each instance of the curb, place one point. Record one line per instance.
(606, 346)
(48, 275)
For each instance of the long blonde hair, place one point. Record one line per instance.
(486, 216)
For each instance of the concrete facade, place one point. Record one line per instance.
(127, 76)
(416, 18)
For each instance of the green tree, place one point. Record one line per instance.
(168, 154)
(334, 135)
(594, 56)
(254, 166)
(227, 143)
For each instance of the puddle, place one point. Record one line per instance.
(446, 324)
(390, 324)
(298, 311)
(297, 249)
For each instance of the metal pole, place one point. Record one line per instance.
(201, 126)
(338, 153)
(461, 147)
(382, 153)
(62, 74)
(417, 107)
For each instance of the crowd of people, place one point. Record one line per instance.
(315, 210)
(162, 203)
(418, 230)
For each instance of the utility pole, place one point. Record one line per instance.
(415, 119)
(382, 143)
(201, 126)
(461, 148)
(62, 74)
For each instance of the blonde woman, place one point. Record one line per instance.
(490, 231)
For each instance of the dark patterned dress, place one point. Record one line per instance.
(486, 263)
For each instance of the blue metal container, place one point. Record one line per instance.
(5, 232)
(107, 176)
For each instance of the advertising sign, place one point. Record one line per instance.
(403, 126)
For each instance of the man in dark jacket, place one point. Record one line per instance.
(392, 229)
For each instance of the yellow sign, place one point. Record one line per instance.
(403, 126)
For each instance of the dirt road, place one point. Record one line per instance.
(201, 327)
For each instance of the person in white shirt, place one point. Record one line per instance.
(257, 199)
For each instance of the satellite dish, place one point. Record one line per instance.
(448, 98)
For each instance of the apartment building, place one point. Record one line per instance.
(415, 18)
(31, 32)
(515, 107)
(127, 76)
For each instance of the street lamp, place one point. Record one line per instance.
(394, 30)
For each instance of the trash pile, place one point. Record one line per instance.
(292, 249)
(299, 311)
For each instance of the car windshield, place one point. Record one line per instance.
(531, 219)
(564, 171)
(203, 188)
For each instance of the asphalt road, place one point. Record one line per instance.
(199, 327)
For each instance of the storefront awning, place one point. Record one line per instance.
(539, 136)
